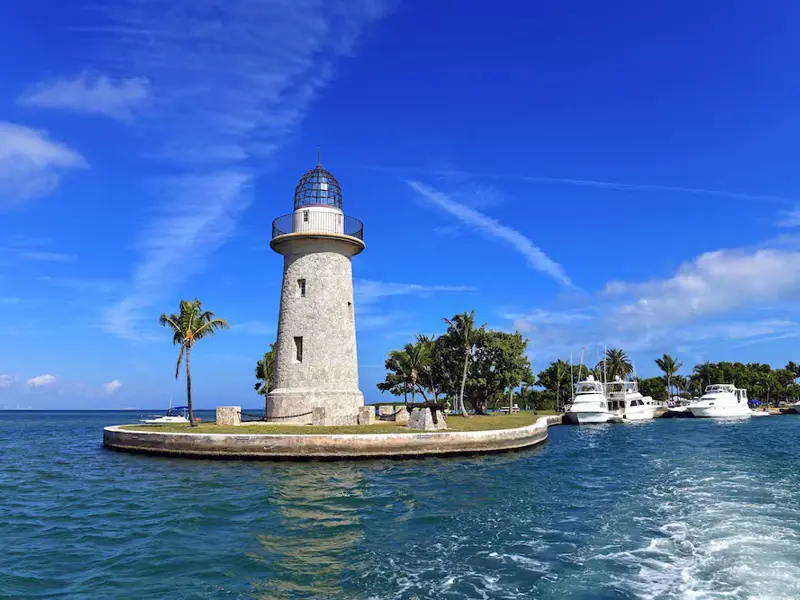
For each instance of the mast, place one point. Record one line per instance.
(571, 381)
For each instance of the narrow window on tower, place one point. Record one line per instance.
(301, 288)
(305, 216)
(298, 348)
(350, 309)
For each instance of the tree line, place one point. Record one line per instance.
(467, 364)
(472, 366)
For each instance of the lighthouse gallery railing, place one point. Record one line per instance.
(319, 223)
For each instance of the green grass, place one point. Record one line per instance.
(454, 423)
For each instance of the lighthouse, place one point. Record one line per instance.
(316, 367)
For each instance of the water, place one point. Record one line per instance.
(664, 509)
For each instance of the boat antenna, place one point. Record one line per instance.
(605, 360)
(571, 380)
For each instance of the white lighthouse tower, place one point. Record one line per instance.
(316, 367)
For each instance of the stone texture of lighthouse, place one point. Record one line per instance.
(316, 365)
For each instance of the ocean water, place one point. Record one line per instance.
(664, 509)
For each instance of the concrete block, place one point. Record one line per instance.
(422, 418)
(402, 413)
(366, 415)
(385, 411)
(318, 416)
(229, 415)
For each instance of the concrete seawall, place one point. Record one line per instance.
(329, 447)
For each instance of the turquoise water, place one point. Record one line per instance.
(664, 509)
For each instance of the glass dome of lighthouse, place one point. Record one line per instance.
(318, 187)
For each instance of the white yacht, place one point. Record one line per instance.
(722, 400)
(626, 403)
(589, 404)
(179, 415)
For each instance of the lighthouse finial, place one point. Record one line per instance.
(319, 161)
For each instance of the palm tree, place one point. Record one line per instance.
(463, 327)
(191, 324)
(617, 364)
(265, 370)
(670, 368)
(410, 363)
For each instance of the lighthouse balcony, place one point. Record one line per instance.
(317, 222)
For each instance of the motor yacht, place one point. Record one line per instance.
(177, 415)
(626, 403)
(722, 400)
(589, 404)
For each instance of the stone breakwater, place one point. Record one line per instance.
(327, 446)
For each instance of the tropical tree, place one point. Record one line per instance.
(557, 381)
(653, 387)
(265, 370)
(188, 326)
(499, 363)
(405, 368)
(670, 367)
(461, 328)
(617, 364)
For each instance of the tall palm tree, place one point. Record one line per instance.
(463, 327)
(265, 370)
(617, 364)
(670, 367)
(191, 324)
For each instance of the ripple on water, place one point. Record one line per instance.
(664, 509)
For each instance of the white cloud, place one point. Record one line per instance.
(112, 386)
(41, 381)
(7, 381)
(535, 258)
(225, 109)
(31, 164)
(713, 283)
(87, 93)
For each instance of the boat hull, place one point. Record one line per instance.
(589, 418)
(644, 415)
(720, 412)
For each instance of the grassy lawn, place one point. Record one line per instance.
(454, 423)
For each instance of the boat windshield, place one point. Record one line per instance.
(720, 389)
(588, 387)
(619, 387)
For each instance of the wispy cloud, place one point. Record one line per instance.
(367, 290)
(532, 320)
(91, 94)
(230, 82)
(48, 256)
(85, 285)
(7, 381)
(613, 185)
(31, 164)
(112, 387)
(253, 327)
(535, 258)
(789, 218)
(41, 381)
(33, 249)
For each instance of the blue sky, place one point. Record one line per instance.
(589, 173)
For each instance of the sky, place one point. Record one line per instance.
(587, 173)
